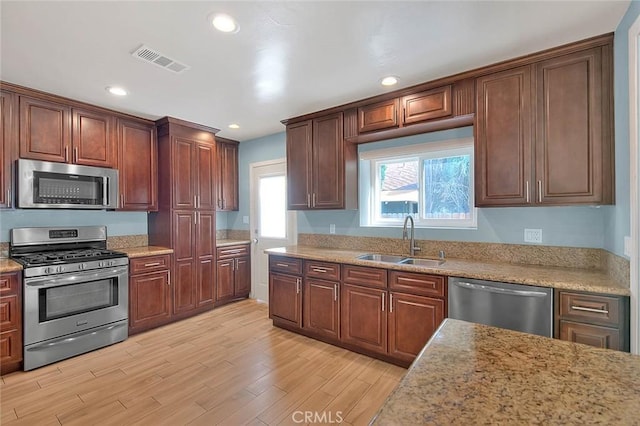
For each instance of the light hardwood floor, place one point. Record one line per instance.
(227, 366)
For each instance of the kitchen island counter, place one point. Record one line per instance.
(475, 374)
(590, 280)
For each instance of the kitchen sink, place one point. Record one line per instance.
(389, 258)
(423, 262)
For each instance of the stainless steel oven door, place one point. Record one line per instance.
(60, 305)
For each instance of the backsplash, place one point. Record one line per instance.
(127, 241)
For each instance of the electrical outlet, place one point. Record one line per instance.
(627, 246)
(533, 235)
(332, 228)
(245, 219)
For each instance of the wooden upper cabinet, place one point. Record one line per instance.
(503, 151)
(378, 116)
(51, 131)
(45, 130)
(137, 165)
(427, 105)
(227, 152)
(299, 147)
(93, 138)
(183, 159)
(205, 178)
(8, 148)
(328, 163)
(573, 131)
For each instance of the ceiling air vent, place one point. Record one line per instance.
(147, 54)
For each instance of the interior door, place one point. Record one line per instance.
(271, 224)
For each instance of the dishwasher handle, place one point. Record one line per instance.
(492, 289)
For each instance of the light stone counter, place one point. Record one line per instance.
(8, 265)
(545, 276)
(229, 242)
(471, 374)
(144, 251)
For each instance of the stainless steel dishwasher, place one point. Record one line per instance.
(513, 306)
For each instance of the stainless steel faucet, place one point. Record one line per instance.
(412, 241)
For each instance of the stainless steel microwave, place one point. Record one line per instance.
(46, 185)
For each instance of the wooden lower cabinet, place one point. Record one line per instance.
(10, 322)
(588, 334)
(321, 307)
(149, 292)
(233, 273)
(285, 299)
(364, 317)
(412, 320)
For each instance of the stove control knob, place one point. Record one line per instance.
(48, 270)
(60, 269)
(112, 262)
(82, 266)
(101, 265)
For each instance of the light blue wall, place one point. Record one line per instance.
(117, 223)
(618, 217)
(562, 226)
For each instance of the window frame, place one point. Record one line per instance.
(370, 214)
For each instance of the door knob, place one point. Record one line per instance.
(254, 241)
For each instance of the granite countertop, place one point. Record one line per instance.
(8, 265)
(475, 374)
(545, 276)
(144, 251)
(223, 243)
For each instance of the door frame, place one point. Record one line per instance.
(252, 208)
(634, 148)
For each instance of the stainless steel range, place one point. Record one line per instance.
(75, 291)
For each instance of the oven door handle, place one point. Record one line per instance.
(74, 278)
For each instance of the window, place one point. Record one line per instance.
(432, 182)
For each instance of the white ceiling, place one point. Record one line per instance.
(289, 58)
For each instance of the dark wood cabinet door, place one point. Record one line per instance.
(93, 139)
(205, 178)
(10, 321)
(328, 163)
(503, 132)
(137, 166)
(299, 166)
(412, 322)
(592, 335)
(572, 131)
(427, 105)
(205, 249)
(225, 279)
(9, 147)
(378, 116)
(183, 174)
(321, 307)
(149, 300)
(205, 287)
(10, 347)
(285, 299)
(45, 130)
(184, 225)
(363, 317)
(228, 177)
(184, 286)
(205, 234)
(243, 277)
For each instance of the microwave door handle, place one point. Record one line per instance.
(105, 191)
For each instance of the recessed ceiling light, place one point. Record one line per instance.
(115, 90)
(234, 126)
(389, 81)
(225, 23)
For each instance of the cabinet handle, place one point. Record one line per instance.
(282, 265)
(195, 201)
(8, 198)
(383, 294)
(314, 200)
(121, 200)
(66, 154)
(584, 308)
(321, 270)
(75, 154)
(169, 277)
(539, 191)
(297, 285)
(308, 200)
(527, 194)
(147, 265)
(195, 219)
(335, 292)
(219, 203)
(390, 303)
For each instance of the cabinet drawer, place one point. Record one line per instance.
(362, 275)
(228, 252)
(592, 335)
(429, 285)
(423, 106)
(143, 265)
(324, 270)
(9, 284)
(590, 308)
(9, 313)
(285, 264)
